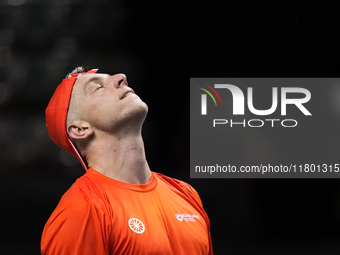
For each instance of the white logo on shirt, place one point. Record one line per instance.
(186, 217)
(136, 226)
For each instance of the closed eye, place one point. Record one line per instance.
(99, 87)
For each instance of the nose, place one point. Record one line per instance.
(120, 80)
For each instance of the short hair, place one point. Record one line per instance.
(78, 69)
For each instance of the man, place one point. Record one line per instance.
(118, 206)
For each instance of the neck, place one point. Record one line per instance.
(119, 157)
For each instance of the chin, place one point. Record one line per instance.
(135, 113)
(141, 110)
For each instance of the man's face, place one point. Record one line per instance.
(106, 102)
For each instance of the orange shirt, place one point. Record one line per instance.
(99, 215)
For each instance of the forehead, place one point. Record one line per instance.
(87, 78)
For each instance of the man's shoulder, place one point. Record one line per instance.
(72, 225)
(180, 186)
(173, 182)
(83, 191)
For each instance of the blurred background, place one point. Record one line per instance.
(159, 46)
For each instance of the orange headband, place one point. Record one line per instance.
(56, 114)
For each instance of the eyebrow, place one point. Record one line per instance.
(96, 78)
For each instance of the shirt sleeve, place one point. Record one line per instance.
(198, 199)
(196, 196)
(76, 228)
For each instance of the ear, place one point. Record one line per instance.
(79, 130)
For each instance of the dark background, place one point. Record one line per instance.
(159, 46)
